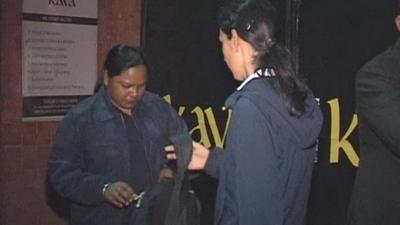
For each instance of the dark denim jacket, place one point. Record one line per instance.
(91, 148)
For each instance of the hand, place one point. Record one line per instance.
(199, 157)
(166, 173)
(119, 194)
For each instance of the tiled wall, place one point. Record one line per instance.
(25, 147)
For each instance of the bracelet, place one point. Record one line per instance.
(105, 187)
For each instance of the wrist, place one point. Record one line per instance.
(105, 187)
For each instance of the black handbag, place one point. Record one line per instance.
(171, 201)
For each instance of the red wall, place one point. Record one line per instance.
(25, 147)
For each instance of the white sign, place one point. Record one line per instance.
(59, 55)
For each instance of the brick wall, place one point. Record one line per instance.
(25, 147)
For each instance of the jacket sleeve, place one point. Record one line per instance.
(378, 105)
(214, 161)
(255, 165)
(67, 166)
(176, 124)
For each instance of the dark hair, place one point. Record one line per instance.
(122, 57)
(255, 21)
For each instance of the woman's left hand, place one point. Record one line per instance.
(199, 157)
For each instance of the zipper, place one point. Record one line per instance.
(145, 149)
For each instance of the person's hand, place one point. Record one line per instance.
(119, 194)
(199, 157)
(166, 173)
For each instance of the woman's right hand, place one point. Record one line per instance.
(199, 156)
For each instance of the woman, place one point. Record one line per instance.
(265, 169)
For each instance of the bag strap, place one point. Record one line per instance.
(183, 149)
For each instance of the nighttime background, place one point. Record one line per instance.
(335, 38)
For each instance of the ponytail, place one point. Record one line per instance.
(279, 58)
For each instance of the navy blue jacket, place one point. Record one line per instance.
(91, 148)
(265, 169)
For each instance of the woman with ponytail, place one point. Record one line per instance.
(265, 168)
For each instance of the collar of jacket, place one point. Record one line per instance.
(257, 84)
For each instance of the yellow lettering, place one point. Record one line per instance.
(219, 142)
(181, 110)
(167, 98)
(201, 127)
(336, 142)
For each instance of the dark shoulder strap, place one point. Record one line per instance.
(183, 148)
